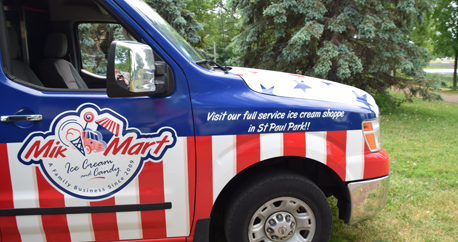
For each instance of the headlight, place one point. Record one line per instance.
(371, 131)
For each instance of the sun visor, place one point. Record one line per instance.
(77, 10)
(103, 11)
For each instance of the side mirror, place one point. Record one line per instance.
(132, 71)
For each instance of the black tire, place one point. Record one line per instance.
(294, 195)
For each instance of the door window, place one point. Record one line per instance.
(94, 41)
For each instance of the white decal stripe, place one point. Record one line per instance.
(315, 147)
(271, 145)
(79, 225)
(223, 148)
(128, 222)
(175, 189)
(30, 228)
(355, 155)
(25, 195)
(186, 186)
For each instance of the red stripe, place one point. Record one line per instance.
(113, 126)
(106, 124)
(110, 126)
(8, 225)
(336, 146)
(294, 144)
(375, 164)
(204, 183)
(102, 121)
(248, 150)
(151, 188)
(105, 224)
(191, 176)
(55, 226)
(117, 130)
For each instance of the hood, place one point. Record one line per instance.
(298, 86)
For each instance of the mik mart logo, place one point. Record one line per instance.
(92, 153)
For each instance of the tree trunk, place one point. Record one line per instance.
(454, 72)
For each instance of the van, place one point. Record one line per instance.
(113, 128)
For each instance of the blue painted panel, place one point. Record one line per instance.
(147, 114)
(218, 97)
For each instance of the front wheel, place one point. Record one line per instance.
(279, 207)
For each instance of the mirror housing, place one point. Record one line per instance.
(132, 71)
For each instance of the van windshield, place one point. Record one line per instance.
(166, 29)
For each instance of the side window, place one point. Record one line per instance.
(94, 42)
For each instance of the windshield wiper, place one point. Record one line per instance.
(224, 68)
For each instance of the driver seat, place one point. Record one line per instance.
(55, 71)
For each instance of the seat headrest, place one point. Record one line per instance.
(56, 45)
(13, 43)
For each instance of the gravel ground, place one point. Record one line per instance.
(453, 98)
(450, 98)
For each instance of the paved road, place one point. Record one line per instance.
(440, 71)
(448, 65)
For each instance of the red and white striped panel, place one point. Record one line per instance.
(220, 158)
(166, 181)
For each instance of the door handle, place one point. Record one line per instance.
(16, 118)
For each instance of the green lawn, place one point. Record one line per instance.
(422, 141)
(448, 92)
(443, 79)
(436, 67)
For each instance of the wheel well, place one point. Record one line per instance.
(323, 176)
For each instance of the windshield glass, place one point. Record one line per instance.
(166, 29)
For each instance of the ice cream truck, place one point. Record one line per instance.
(182, 151)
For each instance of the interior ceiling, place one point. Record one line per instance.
(38, 4)
(76, 10)
(65, 10)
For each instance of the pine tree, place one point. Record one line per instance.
(176, 14)
(95, 40)
(364, 43)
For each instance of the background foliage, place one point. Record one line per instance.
(445, 31)
(219, 27)
(175, 12)
(364, 43)
(95, 40)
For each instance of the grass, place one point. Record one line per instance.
(449, 92)
(444, 80)
(422, 141)
(436, 67)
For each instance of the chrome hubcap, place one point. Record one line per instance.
(280, 226)
(285, 219)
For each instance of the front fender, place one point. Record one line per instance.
(220, 158)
